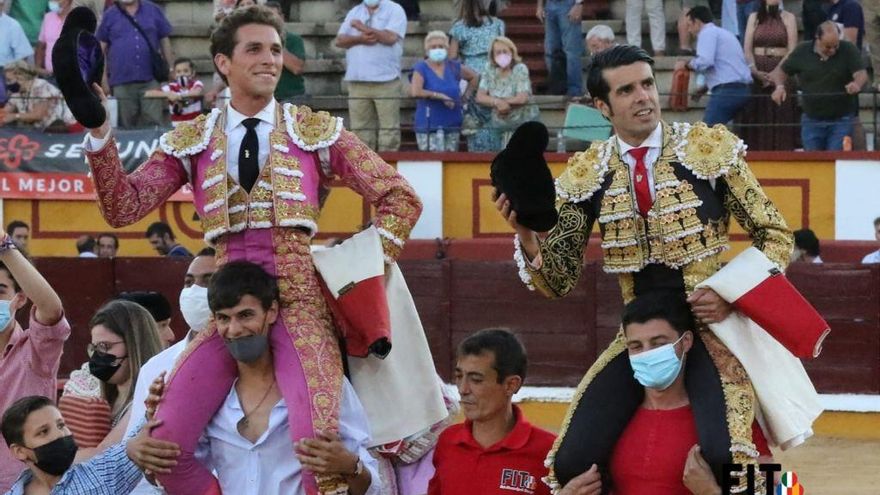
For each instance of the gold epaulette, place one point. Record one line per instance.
(708, 152)
(190, 137)
(311, 130)
(584, 173)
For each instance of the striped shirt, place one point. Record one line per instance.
(109, 473)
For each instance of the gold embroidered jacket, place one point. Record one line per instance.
(701, 178)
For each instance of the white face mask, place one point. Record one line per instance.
(194, 306)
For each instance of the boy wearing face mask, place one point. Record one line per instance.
(30, 358)
(36, 434)
(197, 314)
(184, 93)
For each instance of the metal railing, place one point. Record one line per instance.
(546, 103)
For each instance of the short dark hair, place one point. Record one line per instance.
(806, 240)
(225, 36)
(12, 424)
(85, 244)
(16, 224)
(207, 251)
(510, 355)
(160, 229)
(184, 60)
(112, 236)
(700, 13)
(237, 279)
(616, 56)
(672, 307)
(876, 221)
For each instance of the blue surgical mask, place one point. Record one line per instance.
(371, 3)
(54, 6)
(5, 315)
(437, 54)
(657, 368)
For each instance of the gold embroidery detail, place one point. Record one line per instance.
(187, 135)
(708, 151)
(584, 174)
(313, 127)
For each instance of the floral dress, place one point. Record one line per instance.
(473, 51)
(500, 85)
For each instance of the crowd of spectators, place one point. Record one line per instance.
(738, 61)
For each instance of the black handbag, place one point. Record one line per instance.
(159, 64)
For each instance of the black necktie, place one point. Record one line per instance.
(248, 168)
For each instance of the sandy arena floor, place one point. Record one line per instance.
(835, 466)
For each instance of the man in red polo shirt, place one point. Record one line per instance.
(495, 451)
(659, 450)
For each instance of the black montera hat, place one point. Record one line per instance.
(78, 62)
(521, 173)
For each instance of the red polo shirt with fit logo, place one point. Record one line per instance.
(512, 466)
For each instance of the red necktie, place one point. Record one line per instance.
(640, 181)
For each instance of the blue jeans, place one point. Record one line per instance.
(825, 135)
(725, 102)
(743, 10)
(561, 33)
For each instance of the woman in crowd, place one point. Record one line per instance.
(50, 30)
(124, 337)
(472, 34)
(771, 34)
(505, 88)
(436, 83)
(34, 102)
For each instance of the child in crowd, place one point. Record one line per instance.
(184, 94)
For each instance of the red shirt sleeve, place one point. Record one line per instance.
(760, 440)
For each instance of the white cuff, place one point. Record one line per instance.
(93, 144)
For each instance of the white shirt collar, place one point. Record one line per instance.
(655, 140)
(234, 117)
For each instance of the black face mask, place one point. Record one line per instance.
(13, 87)
(773, 10)
(56, 457)
(101, 365)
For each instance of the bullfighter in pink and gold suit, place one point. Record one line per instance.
(272, 226)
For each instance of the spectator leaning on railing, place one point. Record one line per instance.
(34, 102)
(830, 75)
(436, 85)
(184, 94)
